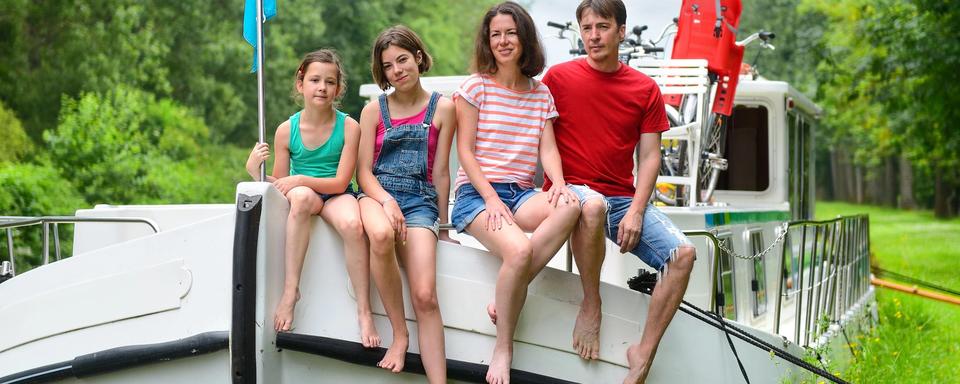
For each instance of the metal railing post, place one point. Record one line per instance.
(46, 243)
(13, 260)
(799, 311)
(56, 240)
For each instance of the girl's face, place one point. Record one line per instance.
(504, 40)
(400, 67)
(320, 86)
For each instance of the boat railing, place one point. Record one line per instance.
(824, 274)
(50, 226)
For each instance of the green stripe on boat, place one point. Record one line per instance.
(729, 218)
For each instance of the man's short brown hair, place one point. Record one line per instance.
(532, 59)
(401, 37)
(604, 8)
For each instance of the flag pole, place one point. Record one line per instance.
(260, 116)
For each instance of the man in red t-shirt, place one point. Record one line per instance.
(608, 110)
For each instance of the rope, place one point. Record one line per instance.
(723, 327)
(907, 279)
(749, 338)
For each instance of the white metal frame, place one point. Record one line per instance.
(683, 77)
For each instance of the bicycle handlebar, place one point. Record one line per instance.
(557, 25)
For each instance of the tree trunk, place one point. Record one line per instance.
(941, 206)
(837, 180)
(906, 184)
(858, 183)
(890, 183)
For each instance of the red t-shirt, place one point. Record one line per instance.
(602, 116)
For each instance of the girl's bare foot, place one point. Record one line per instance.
(499, 371)
(492, 312)
(396, 354)
(283, 318)
(368, 331)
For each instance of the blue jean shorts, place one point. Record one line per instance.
(469, 203)
(659, 237)
(349, 191)
(419, 211)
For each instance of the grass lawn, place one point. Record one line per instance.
(918, 340)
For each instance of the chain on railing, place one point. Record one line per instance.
(9, 223)
(830, 279)
(776, 241)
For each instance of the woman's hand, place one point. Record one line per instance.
(259, 154)
(497, 214)
(395, 216)
(285, 184)
(559, 193)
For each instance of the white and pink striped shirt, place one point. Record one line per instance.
(508, 130)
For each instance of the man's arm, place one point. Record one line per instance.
(648, 167)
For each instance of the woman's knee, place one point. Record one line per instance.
(518, 255)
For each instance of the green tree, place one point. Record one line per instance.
(15, 144)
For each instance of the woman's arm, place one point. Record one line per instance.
(468, 116)
(446, 121)
(550, 158)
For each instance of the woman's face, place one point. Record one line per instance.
(400, 67)
(320, 85)
(504, 40)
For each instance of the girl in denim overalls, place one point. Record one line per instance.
(319, 181)
(403, 173)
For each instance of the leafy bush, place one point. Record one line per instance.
(15, 144)
(118, 147)
(35, 190)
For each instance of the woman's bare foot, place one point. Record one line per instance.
(283, 318)
(396, 354)
(586, 333)
(492, 312)
(368, 331)
(499, 371)
(638, 367)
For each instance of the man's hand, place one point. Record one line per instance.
(628, 234)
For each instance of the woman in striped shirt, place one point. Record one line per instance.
(505, 125)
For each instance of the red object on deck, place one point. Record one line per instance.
(699, 37)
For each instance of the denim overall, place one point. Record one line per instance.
(401, 167)
(402, 164)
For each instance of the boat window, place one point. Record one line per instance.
(800, 165)
(747, 150)
(758, 284)
(726, 280)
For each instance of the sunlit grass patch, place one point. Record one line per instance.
(917, 340)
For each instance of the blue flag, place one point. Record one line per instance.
(250, 23)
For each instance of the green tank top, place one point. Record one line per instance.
(318, 162)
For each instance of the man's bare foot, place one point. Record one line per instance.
(368, 331)
(396, 354)
(492, 312)
(586, 333)
(499, 371)
(639, 368)
(283, 318)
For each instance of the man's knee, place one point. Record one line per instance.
(685, 256)
(593, 213)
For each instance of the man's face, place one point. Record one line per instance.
(601, 36)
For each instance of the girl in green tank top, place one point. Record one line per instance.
(315, 162)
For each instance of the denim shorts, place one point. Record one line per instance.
(419, 211)
(659, 237)
(349, 191)
(469, 203)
